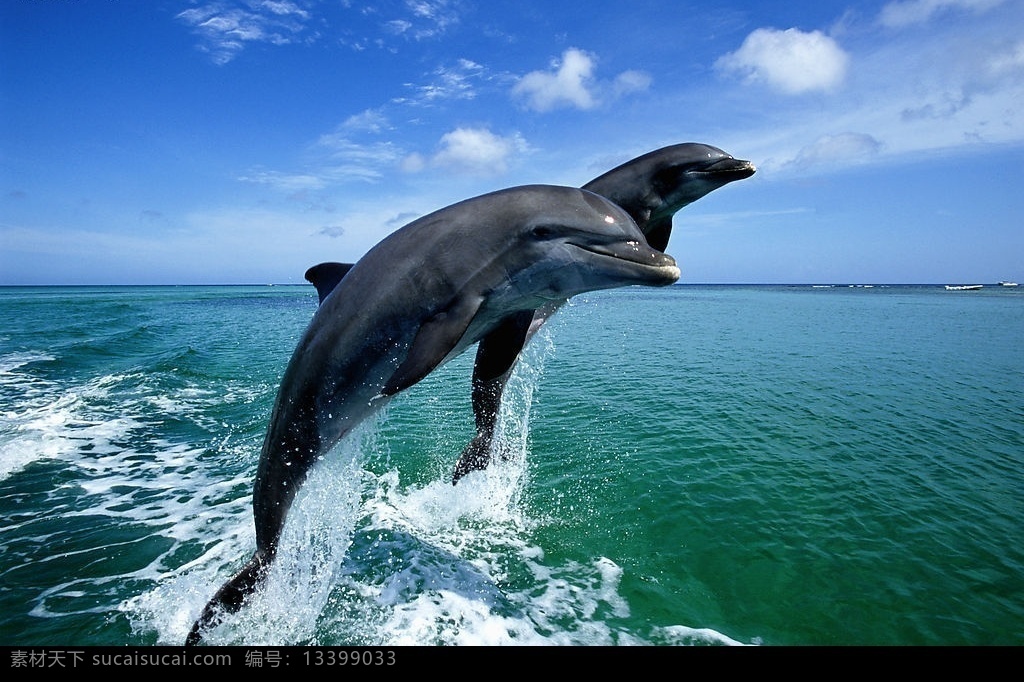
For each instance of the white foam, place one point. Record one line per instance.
(16, 360)
(106, 430)
(681, 634)
(49, 423)
(448, 618)
(437, 564)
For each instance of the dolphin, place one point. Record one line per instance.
(466, 273)
(651, 188)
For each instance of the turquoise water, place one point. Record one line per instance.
(692, 465)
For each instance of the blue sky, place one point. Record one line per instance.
(241, 141)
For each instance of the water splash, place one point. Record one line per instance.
(369, 560)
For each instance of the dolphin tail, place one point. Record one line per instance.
(475, 457)
(229, 598)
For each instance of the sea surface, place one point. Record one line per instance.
(695, 465)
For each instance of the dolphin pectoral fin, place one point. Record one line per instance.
(436, 338)
(229, 598)
(325, 277)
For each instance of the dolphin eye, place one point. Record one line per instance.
(543, 232)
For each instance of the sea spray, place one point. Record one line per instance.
(781, 464)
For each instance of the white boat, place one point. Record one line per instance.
(1007, 284)
(964, 287)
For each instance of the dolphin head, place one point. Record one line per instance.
(571, 241)
(686, 172)
(652, 187)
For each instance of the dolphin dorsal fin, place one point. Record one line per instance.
(325, 277)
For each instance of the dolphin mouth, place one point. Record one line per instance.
(735, 169)
(637, 260)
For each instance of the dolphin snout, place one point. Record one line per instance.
(663, 268)
(667, 272)
(737, 169)
(643, 263)
(663, 259)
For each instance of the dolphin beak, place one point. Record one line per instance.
(635, 260)
(729, 169)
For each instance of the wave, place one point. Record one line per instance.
(367, 559)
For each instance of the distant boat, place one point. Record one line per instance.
(964, 287)
(1007, 284)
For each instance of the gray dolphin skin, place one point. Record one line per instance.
(466, 273)
(651, 188)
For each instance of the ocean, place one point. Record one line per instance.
(695, 465)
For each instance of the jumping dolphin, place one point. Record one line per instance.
(651, 188)
(465, 273)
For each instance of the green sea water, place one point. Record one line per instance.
(775, 465)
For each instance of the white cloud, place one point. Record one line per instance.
(1011, 62)
(630, 81)
(571, 83)
(474, 151)
(839, 149)
(370, 121)
(340, 161)
(436, 11)
(952, 89)
(429, 19)
(477, 149)
(568, 85)
(287, 182)
(413, 163)
(791, 61)
(449, 83)
(398, 26)
(284, 8)
(907, 12)
(370, 157)
(224, 29)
